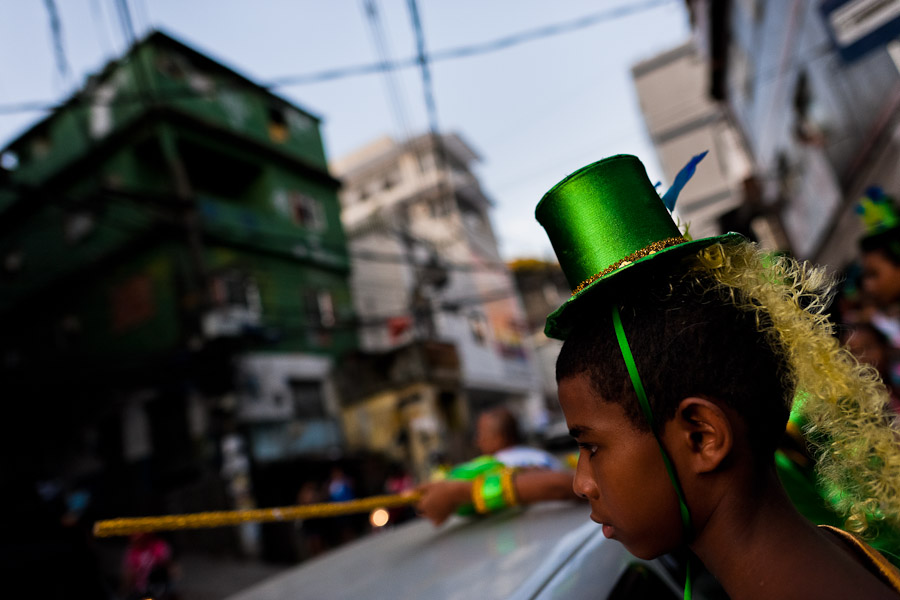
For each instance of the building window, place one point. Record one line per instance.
(308, 400)
(171, 66)
(371, 187)
(236, 305)
(426, 162)
(41, 145)
(278, 127)
(741, 71)
(391, 180)
(478, 325)
(307, 211)
(319, 308)
(808, 128)
(233, 288)
(438, 208)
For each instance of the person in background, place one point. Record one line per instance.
(399, 481)
(881, 266)
(506, 474)
(498, 434)
(340, 488)
(44, 554)
(344, 528)
(870, 346)
(312, 531)
(880, 259)
(880, 279)
(149, 569)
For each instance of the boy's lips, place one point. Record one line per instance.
(608, 530)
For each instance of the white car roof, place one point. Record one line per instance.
(547, 550)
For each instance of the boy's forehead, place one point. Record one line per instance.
(586, 411)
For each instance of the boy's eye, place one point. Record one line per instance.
(590, 448)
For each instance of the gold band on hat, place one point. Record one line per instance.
(627, 260)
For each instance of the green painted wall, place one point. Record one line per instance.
(285, 287)
(47, 255)
(132, 312)
(135, 246)
(162, 72)
(182, 80)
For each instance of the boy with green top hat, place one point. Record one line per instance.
(680, 364)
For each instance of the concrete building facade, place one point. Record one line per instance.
(683, 121)
(814, 88)
(426, 267)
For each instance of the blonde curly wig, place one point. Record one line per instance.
(843, 402)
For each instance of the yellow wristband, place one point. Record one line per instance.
(477, 496)
(508, 487)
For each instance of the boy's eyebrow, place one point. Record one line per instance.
(576, 432)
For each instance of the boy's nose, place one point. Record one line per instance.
(583, 485)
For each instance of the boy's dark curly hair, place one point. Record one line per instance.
(687, 340)
(886, 242)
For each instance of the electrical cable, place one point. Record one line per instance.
(125, 21)
(395, 95)
(480, 48)
(437, 56)
(62, 62)
(100, 27)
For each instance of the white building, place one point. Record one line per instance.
(425, 265)
(673, 91)
(813, 87)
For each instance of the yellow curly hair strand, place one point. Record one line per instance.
(843, 402)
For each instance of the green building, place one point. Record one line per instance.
(174, 285)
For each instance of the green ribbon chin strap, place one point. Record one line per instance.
(648, 415)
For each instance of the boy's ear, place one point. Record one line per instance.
(704, 430)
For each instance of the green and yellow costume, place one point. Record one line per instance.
(493, 486)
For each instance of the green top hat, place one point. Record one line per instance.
(603, 220)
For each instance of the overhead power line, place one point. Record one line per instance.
(100, 28)
(474, 49)
(394, 91)
(469, 51)
(423, 59)
(125, 21)
(62, 63)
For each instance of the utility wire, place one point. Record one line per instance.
(143, 15)
(125, 21)
(440, 55)
(395, 95)
(476, 49)
(427, 85)
(62, 63)
(100, 27)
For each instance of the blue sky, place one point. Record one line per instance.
(533, 112)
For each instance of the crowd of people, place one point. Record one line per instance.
(867, 308)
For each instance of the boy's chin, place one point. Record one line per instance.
(645, 552)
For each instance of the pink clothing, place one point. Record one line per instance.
(143, 556)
